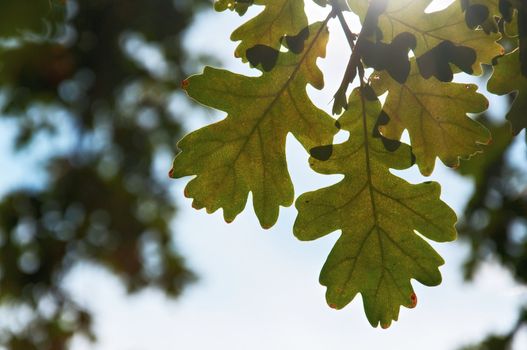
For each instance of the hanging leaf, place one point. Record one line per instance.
(435, 115)
(379, 251)
(508, 78)
(278, 19)
(246, 151)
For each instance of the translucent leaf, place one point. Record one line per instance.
(246, 151)
(435, 115)
(278, 19)
(379, 250)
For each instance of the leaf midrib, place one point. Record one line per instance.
(280, 92)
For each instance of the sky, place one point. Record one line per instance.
(258, 289)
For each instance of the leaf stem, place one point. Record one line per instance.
(351, 70)
(355, 41)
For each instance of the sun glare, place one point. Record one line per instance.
(318, 13)
(315, 12)
(438, 5)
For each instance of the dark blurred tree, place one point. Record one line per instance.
(102, 202)
(495, 219)
(494, 222)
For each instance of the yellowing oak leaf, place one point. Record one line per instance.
(246, 151)
(508, 78)
(440, 36)
(278, 19)
(435, 115)
(379, 250)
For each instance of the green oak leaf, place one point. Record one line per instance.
(435, 115)
(507, 78)
(246, 151)
(432, 29)
(379, 250)
(279, 18)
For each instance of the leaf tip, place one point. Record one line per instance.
(196, 205)
(171, 173)
(185, 84)
(385, 325)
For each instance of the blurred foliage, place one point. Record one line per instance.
(31, 18)
(495, 219)
(501, 342)
(109, 66)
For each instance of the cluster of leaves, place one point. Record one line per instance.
(102, 202)
(414, 55)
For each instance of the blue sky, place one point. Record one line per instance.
(259, 289)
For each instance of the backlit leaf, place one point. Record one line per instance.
(279, 18)
(246, 151)
(435, 115)
(379, 251)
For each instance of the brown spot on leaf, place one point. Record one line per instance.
(413, 300)
(322, 153)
